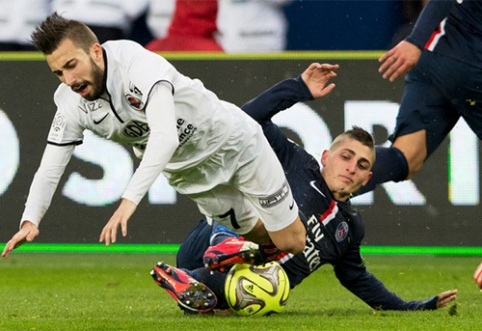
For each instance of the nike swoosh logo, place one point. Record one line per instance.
(103, 118)
(312, 183)
(292, 204)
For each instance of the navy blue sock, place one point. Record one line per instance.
(221, 233)
(215, 281)
(390, 165)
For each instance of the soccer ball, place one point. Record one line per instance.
(257, 290)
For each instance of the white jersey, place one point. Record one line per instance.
(159, 17)
(202, 123)
(107, 13)
(252, 25)
(19, 18)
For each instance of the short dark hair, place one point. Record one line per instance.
(361, 135)
(51, 32)
(358, 134)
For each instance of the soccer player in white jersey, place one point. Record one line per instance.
(208, 149)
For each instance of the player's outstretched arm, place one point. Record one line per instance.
(398, 61)
(27, 233)
(446, 297)
(316, 76)
(120, 218)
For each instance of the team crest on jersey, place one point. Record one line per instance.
(134, 102)
(341, 231)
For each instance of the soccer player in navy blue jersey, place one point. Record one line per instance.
(334, 230)
(443, 59)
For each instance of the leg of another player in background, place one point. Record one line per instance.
(399, 162)
(414, 148)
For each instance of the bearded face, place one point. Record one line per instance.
(80, 70)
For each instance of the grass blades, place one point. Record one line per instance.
(115, 292)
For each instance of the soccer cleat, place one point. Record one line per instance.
(231, 251)
(187, 291)
(478, 276)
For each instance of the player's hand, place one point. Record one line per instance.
(398, 61)
(27, 233)
(316, 76)
(446, 297)
(478, 275)
(120, 217)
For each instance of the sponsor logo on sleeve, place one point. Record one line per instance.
(58, 127)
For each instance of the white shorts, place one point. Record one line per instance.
(241, 183)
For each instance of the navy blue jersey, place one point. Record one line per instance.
(452, 28)
(334, 229)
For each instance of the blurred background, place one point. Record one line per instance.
(439, 207)
(224, 25)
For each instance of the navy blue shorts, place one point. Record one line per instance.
(190, 254)
(438, 91)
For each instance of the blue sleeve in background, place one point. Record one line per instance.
(434, 12)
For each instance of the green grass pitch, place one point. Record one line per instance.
(100, 291)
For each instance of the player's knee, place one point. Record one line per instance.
(291, 239)
(293, 245)
(296, 248)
